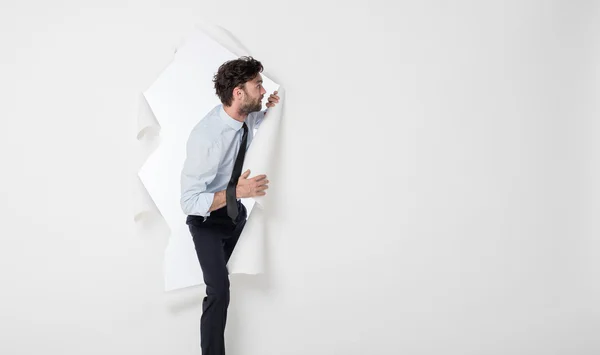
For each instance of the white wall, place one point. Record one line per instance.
(438, 188)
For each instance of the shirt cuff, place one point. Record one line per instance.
(209, 198)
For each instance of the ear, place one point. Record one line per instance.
(238, 93)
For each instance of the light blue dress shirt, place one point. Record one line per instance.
(211, 151)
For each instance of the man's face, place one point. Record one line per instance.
(253, 95)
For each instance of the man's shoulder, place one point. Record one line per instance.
(254, 118)
(209, 129)
(255, 114)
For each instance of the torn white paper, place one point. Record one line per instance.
(179, 98)
(148, 126)
(259, 158)
(248, 256)
(142, 202)
(148, 136)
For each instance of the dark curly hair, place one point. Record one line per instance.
(235, 73)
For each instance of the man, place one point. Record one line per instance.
(212, 184)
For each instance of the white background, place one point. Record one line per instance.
(438, 187)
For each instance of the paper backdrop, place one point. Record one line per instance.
(172, 106)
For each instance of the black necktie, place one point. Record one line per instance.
(232, 208)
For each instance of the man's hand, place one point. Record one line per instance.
(255, 186)
(273, 99)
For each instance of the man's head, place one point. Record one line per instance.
(238, 84)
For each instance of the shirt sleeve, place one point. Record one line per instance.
(199, 169)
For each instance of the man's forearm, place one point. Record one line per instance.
(219, 201)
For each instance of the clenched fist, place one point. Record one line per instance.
(255, 186)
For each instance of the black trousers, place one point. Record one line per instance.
(215, 238)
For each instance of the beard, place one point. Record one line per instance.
(251, 106)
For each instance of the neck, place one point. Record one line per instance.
(235, 113)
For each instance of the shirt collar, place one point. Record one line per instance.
(230, 121)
